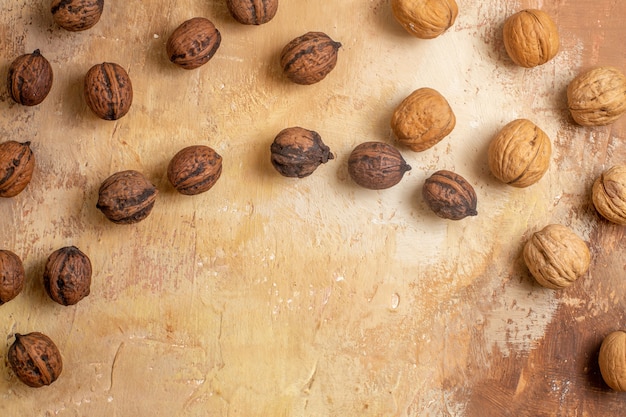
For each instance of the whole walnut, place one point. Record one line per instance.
(609, 194)
(425, 19)
(449, 195)
(67, 275)
(252, 12)
(194, 169)
(612, 360)
(193, 43)
(376, 165)
(531, 38)
(297, 152)
(17, 164)
(35, 359)
(309, 58)
(12, 276)
(422, 119)
(126, 197)
(520, 153)
(30, 79)
(108, 91)
(76, 15)
(597, 97)
(556, 256)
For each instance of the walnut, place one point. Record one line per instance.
(297, 152)
(108, 91)
(309, 58)
(422, 119)
(449, 195)
(556, 256)
(67, 275)
(193, 43)
(609, 194)
(35, 359)
(376, 165)
(76, 15)
(597, 97)
(531, 38)
(425, 19)
(30, 79)
(252, 12)
(126, 197)
(17, 164)
(519, 155)
(612, 360)
(194, 169)
(12, 276)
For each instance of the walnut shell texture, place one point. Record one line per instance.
(297, 152)
(76, 15)
(194, 169)
(609, 194)
(126, 197)
(252, 12)
(422, 119)
(35, 359)
(17, 164)
(425, 19)
(67, 275)
(556, 256)
(597, 97)
(376, 165)
(531, 38)
(519, 155)
(309, 58)
(30, 79)
(449, 195)
(108, 91)
(12, 276)
(612, 360)
(193, 43)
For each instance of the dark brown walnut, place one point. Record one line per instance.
(309, 58)
(35, 359)
(30, 79)
(67, 275)
(126, 197)
(297, 152)
(194, 169)
(11, 276)
(108, 91)
(449, 195)
(376, 165)
(17, 164)
(193, 43)
(252, 12)
(76, 15)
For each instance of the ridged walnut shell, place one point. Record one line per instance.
(531, 38)
(126, 197)
(519, 155)
(193, 43)
(17, 164)
(76, 15)
(597, 97)
(376, 165)
(12, 276)
(194, 169)
(30, 79)
(35, 359)
(422, 119)
(556, 256)
(67, 275)
(449, 195)
(309, 58)
(297, 152)
(108, 91)
(609, 194)
(252, 12)
(612, 360)
(425, 19)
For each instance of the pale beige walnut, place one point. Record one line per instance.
(422, 119)
(531, 38)
(425, 19)
(609, 194)
(612, 360)
(597, 97)
(556, 256)
(519, 155)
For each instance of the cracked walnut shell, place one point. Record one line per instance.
(597, 97)
(35, 359)
(425, 19)
(531, 38)
(612, 360)
(609, 194)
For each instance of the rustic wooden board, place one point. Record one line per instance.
(313, 297)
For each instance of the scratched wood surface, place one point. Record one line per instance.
(279, 297)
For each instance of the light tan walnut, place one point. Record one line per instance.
(597, 97)
(531, 38)
(609, 194)
(425, 19)
(612, 360)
